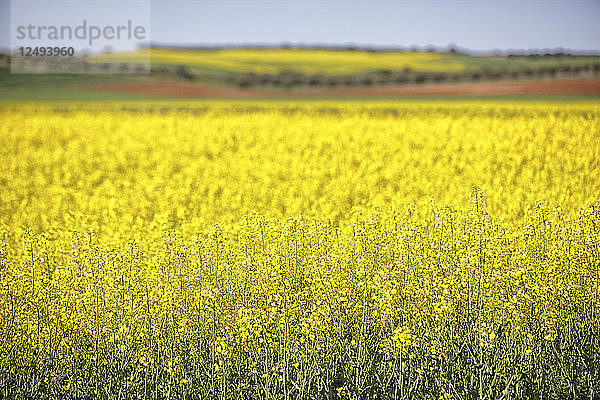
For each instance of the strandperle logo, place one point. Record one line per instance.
(85, 31)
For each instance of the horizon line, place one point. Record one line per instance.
(450, 48)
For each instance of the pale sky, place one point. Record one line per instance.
(476, 25)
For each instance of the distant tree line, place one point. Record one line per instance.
(289, 79)
(72, 65)
(292, 79)
(451, 48)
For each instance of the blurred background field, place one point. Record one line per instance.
(308, 72)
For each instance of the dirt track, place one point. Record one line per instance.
(529, 87)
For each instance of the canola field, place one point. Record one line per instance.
(230, 250)
(340, 62)
(275, 61)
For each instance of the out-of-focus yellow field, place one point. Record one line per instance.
(257, 250)
(127, 171)
(297, 60)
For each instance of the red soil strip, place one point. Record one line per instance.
(528, 87)
(533, 87)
